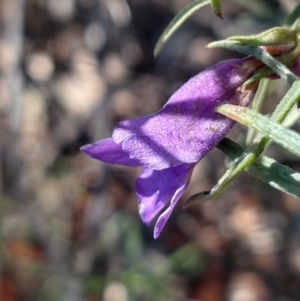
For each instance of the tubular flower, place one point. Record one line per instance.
(169, 143)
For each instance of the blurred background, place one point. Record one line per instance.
(70, 230)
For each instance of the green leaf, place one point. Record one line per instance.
(216, 6)
(178, 20)
(285, 137)
(266, 169)
(257, 104)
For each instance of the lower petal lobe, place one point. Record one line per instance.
(157, 189)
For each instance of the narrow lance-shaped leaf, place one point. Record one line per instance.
(178, 20)
(285, 137)
(216, 6)
(266, 169)
(257, 104)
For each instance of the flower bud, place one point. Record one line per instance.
(277, 36)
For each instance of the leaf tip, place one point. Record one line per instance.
(219, 14)
(216, 7)
(211, 45)
(156, 51)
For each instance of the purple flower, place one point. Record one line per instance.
(169, 143)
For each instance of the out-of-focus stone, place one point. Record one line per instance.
(65, 43)
(119, 12)
(40, 66)
(198, 55)
(248, 287)
(123, 103)
(94, 36)
(131, 51)
(294, 256)
(114, 69)
(61, 10)
(115, 291)
(82, 90)
(211, 240)
(252, 227)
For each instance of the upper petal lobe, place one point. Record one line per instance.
(187, 127)
(108, 151)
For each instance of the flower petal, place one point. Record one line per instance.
(163, 218)
(109, 152)
(187, 127)
(156, 189)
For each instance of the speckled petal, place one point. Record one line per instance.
(187, 127)
(109, 152)
(157, 189)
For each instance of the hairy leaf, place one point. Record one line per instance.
(285, 137)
